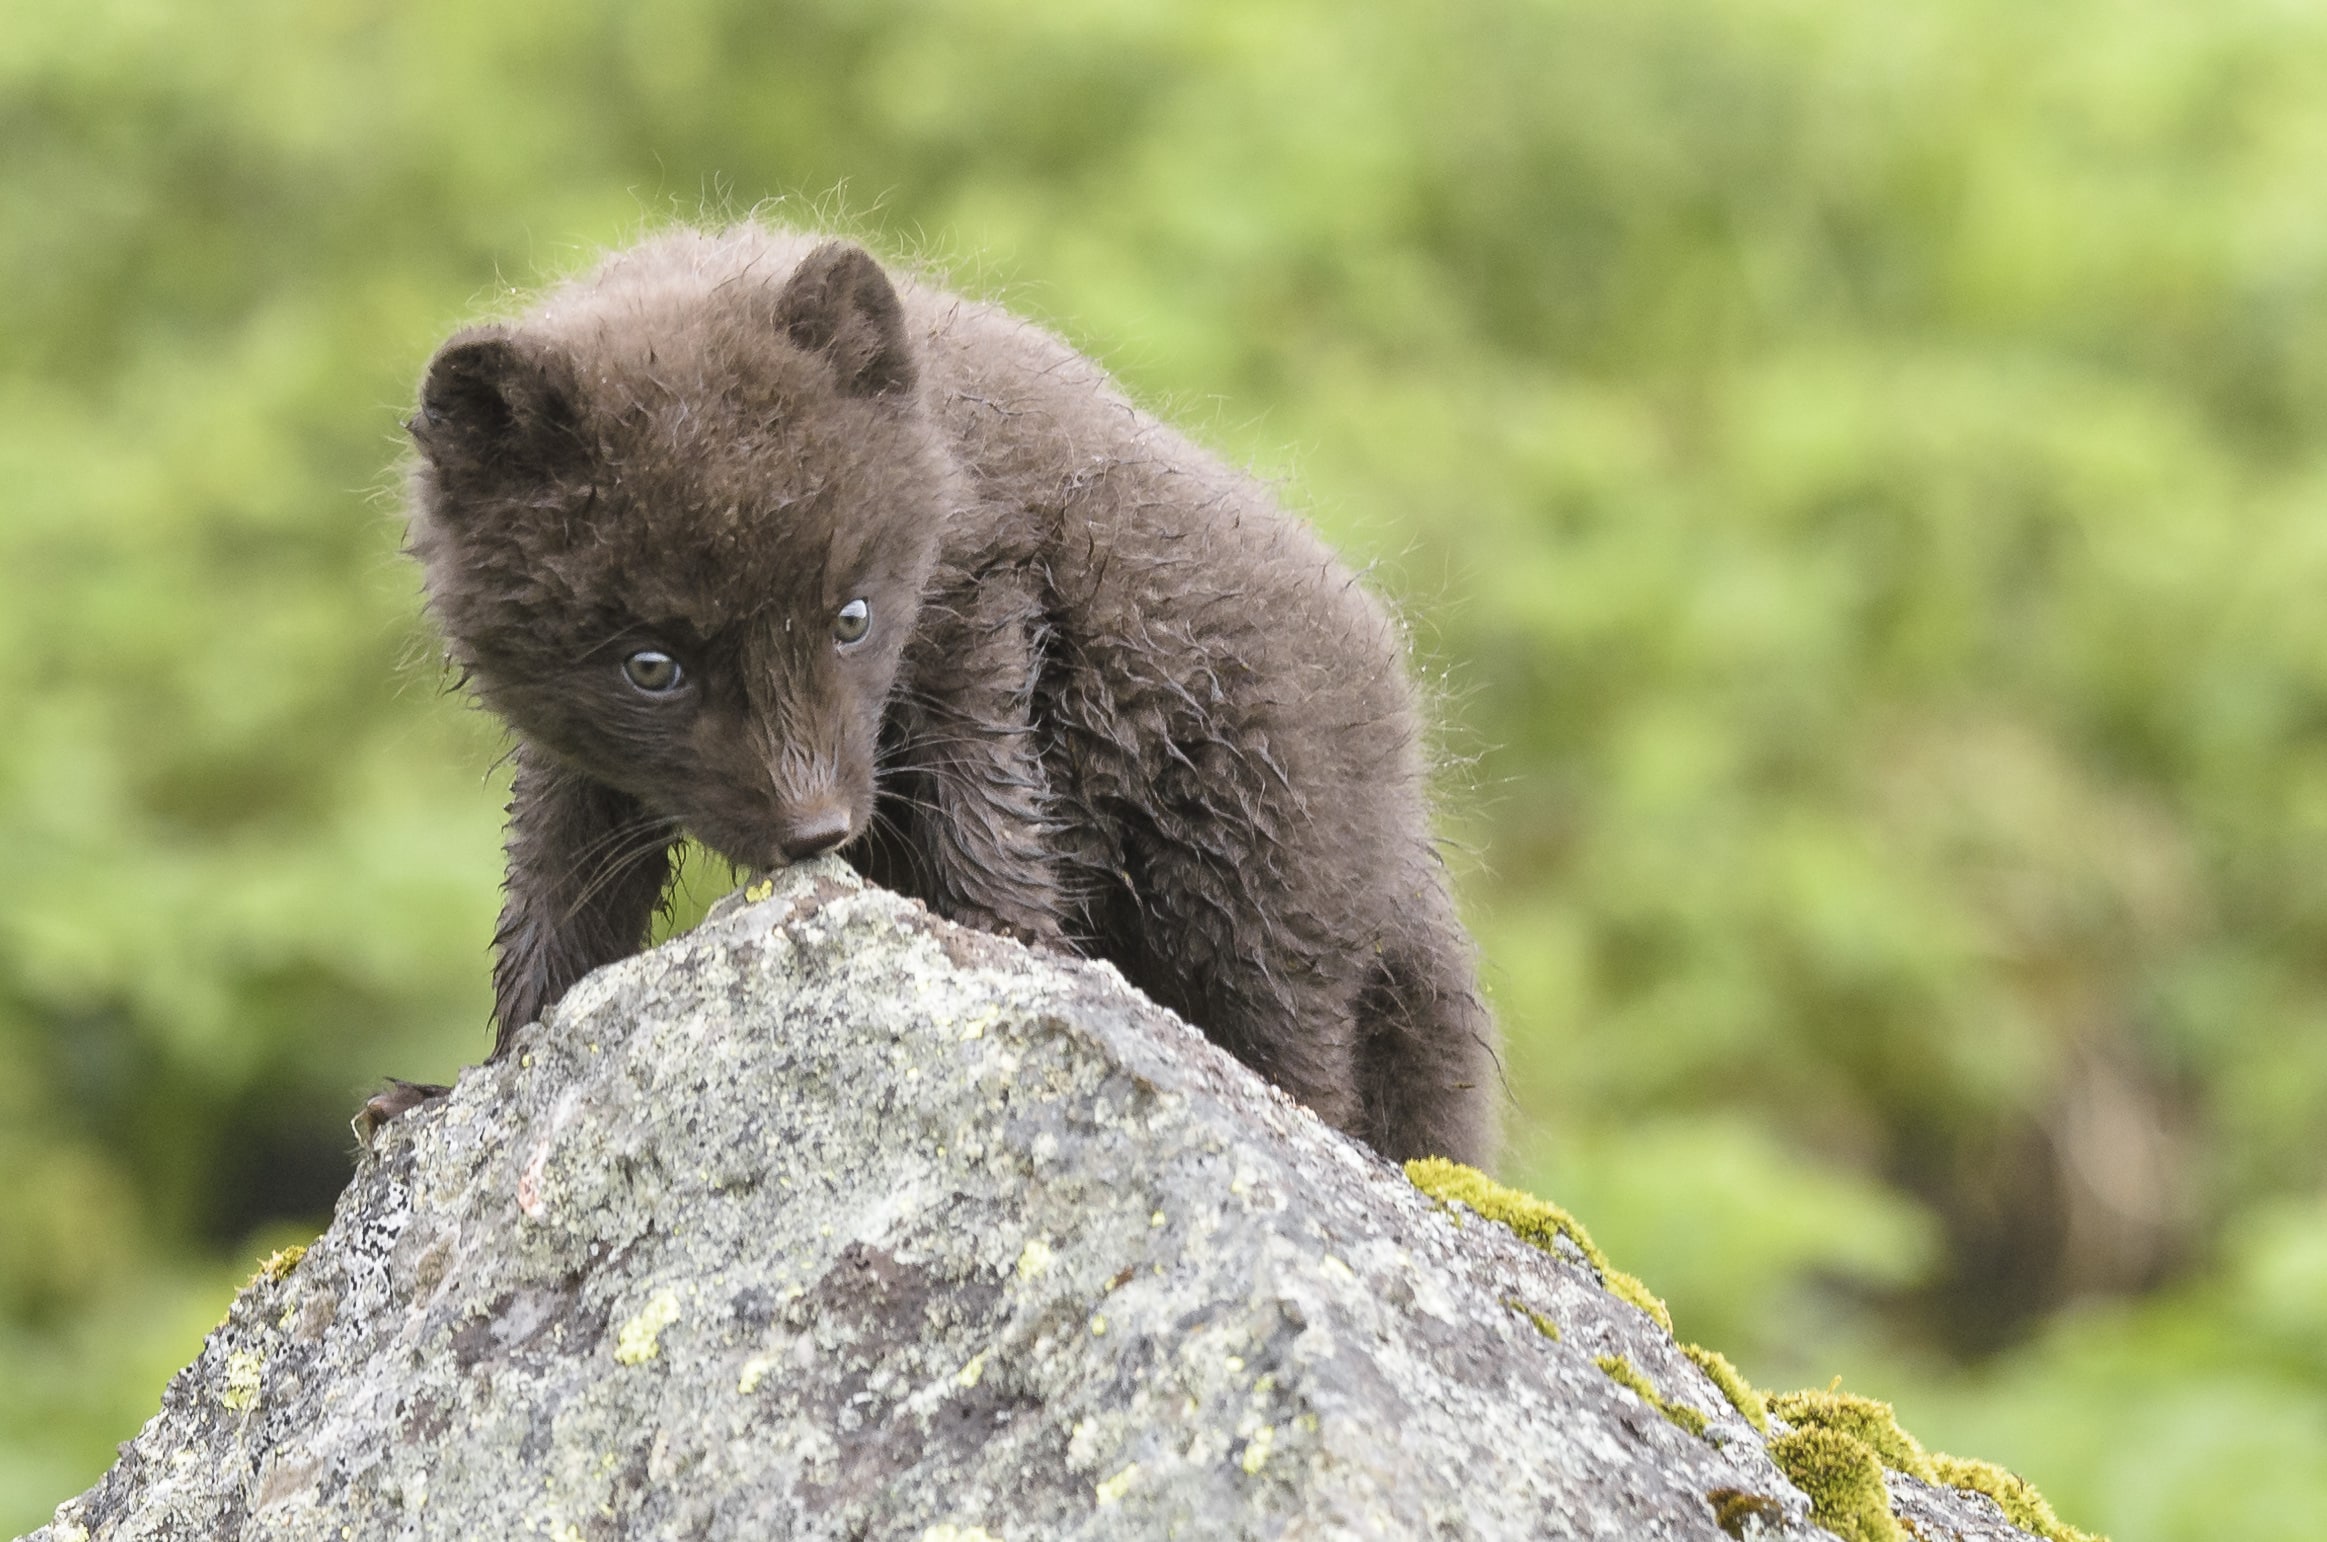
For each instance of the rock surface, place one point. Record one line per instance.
(830, 1219)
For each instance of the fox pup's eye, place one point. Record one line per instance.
(855, 619)
(653, 671)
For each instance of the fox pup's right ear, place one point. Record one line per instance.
(490, 404)
(840, 304)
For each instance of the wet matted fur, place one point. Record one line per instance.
(1106, 695)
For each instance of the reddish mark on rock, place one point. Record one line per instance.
(529, 1182)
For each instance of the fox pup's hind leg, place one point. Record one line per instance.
(1426, 1065)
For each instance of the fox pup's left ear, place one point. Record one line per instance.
(840, 304)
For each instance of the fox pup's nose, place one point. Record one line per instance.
(814, 833)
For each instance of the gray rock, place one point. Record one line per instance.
(830, 1219)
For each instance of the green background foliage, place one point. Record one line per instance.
(1856, 476)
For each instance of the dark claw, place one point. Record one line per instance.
(391, 1103)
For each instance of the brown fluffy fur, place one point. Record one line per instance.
(1111, 699)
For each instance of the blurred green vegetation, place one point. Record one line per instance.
(1856, 474)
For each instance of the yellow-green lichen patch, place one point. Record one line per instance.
(2015, 1495)
(1534, 1220)
(1748, 1403)
(241, 1392)
(1622, 1372)
(640, 1339)
(1256, 1450)
(1844, 1481)
(1112, 1490)
(1864, 1420)
(1734, 1509)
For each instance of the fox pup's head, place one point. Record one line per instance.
(676, 525)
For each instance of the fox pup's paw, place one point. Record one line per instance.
(391, 1103)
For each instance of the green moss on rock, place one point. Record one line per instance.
(1535, 1221)
(1863, 1419)
(2015, 1495)
(1840, 1442)
(1543, 1325)
(1844, 1481)
(1625, 1374)
(1734, 1509)
(1749, 1404)
(1875, 1426)
(278, 1264)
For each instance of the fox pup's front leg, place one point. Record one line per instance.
(587, 867)
(979, 804)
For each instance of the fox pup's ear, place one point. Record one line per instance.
(491, 405)
(840, 304)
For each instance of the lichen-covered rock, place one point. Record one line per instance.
(831, 1219)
